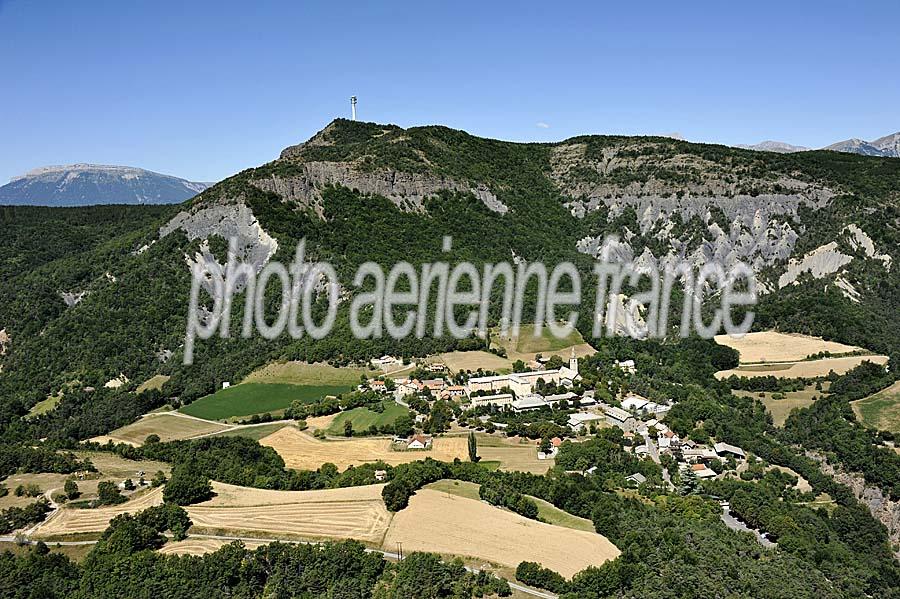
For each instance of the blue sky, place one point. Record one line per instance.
(205, 90)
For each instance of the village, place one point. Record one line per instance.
(490, 398)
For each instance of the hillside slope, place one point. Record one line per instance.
(821, 229)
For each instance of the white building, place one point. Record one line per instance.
(619, 417)
(498, 399)
(383, 361)
(634, 402)
(529, 402)
(626, 366)
(523, 383)
(582, 420)
(724, 449)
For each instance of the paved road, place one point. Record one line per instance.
(735, 524)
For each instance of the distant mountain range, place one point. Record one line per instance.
(86, 184)
(886, 147)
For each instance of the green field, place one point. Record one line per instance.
(253, 432)
(881, 410)
(363, 418)
(302, 373)
(247, 399)
(44, 406)
(547, 512)
(526, 344)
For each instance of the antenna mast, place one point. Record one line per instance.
(353, 107)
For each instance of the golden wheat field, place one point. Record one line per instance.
(806, 368)
(771, 346)
(449, 524)
(304, 452)
(169, 427)
(67, 521)
(348, 513)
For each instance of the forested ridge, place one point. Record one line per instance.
(89, 294)
(131, 286)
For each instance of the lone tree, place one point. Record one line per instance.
(473, 448)
(71, 489)
(108, 493)
(348, 429)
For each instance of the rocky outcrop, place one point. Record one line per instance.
(822, 261)
(72, 298)
(860, 240)
(228, 221)
(883, 509)
(407, 191)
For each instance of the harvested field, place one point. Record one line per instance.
(348, 513)
(807, 368)
(45, 481)
(236, 496)
(320, 422)
(448, 524)
(771, 346)
(114, 467)
(168, 426)
(304, 452)
(780, 409)
(880, 410)
(547, 512)
(68, 521)
(473, 360)
(201, 546)
(512, 455)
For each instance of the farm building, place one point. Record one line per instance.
(724, 449)
(418, 442)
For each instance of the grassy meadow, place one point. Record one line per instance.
(247, 399)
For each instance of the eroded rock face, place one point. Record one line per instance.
(883, 509)
(822, 261)
(759, 228)
(407, 191)
(228, 221)
(702, 213)
(72, 298)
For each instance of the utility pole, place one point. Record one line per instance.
(353, 108)
(400, 551)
